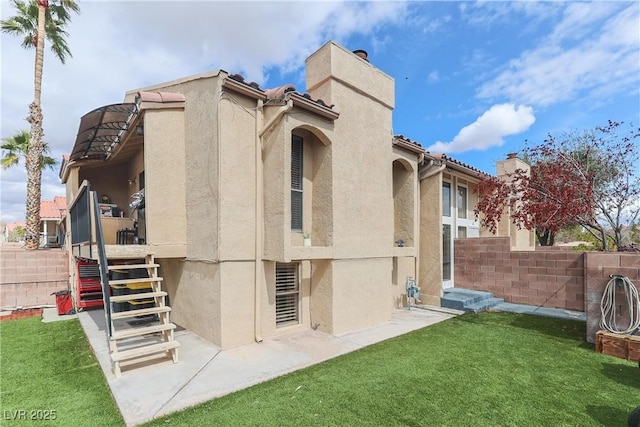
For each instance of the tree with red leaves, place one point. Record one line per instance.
(590, 178)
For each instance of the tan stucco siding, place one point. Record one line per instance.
(237, 311)
(361, 293)
(277, 216)
(195, 296)
(202, 168)
(430, 253)
(237, 220)
(165, 185)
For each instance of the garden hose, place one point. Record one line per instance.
(608, 305)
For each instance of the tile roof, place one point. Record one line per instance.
(12, 225)
(451, 162)
(279, 92)
(53, 208)
(403, 141)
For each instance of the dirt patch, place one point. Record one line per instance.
(22, 314)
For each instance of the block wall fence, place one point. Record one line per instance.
(28, 278)
(556, 278)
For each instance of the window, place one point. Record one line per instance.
(462, 232)
(462, 202)
(287, 293)
(446, 199)
(446, 252)
(296, 183)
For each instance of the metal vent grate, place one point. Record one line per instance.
(287, 293)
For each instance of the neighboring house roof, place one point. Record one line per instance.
(53, 209)
(12, 226)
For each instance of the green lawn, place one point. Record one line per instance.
(48, 372)
(492, 369)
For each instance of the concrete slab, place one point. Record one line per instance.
(540, 311)
(50, 314)
(158, 387)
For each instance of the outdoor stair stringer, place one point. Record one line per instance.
(469, 300)
(128, 342)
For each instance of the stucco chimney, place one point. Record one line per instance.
(333, 69)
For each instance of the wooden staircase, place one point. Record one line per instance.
(143, 295)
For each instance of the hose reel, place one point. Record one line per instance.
(609, 314)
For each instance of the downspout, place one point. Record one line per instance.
(431, 172)
(260, 131)
(257, 312)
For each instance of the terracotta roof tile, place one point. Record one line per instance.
(278, 92)
(160, 97)
(53, 208)
(12, 225)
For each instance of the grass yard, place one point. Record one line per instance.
(491, 369)
(48, 372)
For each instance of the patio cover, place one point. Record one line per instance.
(101, 129)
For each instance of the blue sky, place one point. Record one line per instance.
(473, 80)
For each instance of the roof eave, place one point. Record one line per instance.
(313, 107)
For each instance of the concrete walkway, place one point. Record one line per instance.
(158, 387)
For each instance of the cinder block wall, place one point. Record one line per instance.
(28, 278)
(547, 278)
(557, 278)
(599, 266)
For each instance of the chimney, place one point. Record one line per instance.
(362, 54)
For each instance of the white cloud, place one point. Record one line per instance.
(433, 76)
(592, 53)
(489, 129)
(119, 46)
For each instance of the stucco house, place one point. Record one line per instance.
(51, 213)
(217, 181)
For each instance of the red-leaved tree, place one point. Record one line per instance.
(589, 178)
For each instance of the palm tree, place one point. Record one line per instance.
(17, 146)
(36, 20)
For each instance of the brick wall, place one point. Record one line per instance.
(548, 278)
(557, 278)
(28, 278)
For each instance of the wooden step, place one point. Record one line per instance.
(136, 332)
(136, 280)
(120, 356)
(133, 297)
(132, 266)
(141, 312)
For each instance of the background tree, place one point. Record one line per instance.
(589, 178)
(35, 21)
(17, 146)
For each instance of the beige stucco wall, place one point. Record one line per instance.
(201, 159)
(364, 96)
(361, 293)
(194, 295)
(165, 185)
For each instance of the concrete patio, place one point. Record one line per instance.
(158, 387)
